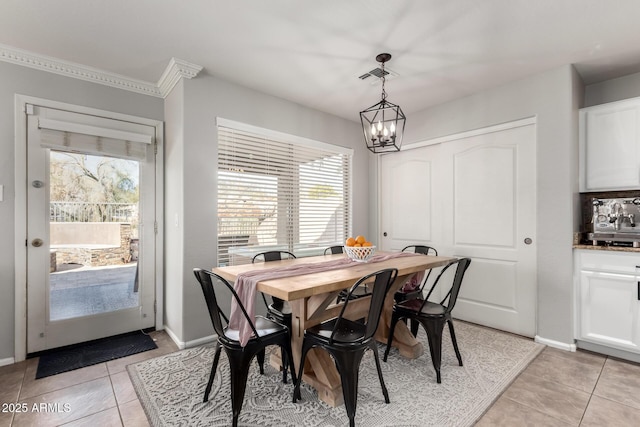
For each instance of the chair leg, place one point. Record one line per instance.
(239, 362)
(287, 362)
(394, 321)
(260, 359)
(414, 327)
(348, 364)
(296, 390)
(385, 393)
(454, 341)
(214, 367)
(434, 329)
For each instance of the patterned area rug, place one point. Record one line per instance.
(171, 387)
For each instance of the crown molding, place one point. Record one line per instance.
(175, 70)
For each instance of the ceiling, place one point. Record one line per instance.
(312, 52)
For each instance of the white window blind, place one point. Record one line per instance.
(278, 192)
(72, 132)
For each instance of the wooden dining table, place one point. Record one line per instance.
(313, 299)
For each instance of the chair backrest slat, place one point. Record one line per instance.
(334, 250)
(424, 250)
(454, 290)
(273, 256)
(206, 279)
(463, 264)
(382, 283)
(268, 257)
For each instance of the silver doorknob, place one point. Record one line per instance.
(37, 243)
(528, 241)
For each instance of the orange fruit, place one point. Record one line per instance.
(357, 245)
(367, 244)
(360, 239)
(350, 241)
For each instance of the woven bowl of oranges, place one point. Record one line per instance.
(359, 249)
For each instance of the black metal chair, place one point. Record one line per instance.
(432, 316)
(266, 332)
(338, 249)
(401, 295)
(342, 296)
(347, 340)
(278, 310)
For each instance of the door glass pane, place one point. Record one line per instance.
(94, 205)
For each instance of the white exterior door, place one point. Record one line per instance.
(90, 256)
(480, 203)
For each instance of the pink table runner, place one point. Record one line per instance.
(245, 286)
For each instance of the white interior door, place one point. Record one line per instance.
(482, 206)
(410, 204)
(90, 228)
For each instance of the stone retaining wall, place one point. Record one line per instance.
(94, 254)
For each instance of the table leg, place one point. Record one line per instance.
(403, 339)
(319, 370)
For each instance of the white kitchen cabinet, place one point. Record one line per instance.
(608, 305)
(610, 146)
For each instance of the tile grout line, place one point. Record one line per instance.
(592, 391)
(536, 410)
(113, 390)
(20, 388)
(578, 363)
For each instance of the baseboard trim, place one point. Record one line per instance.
(556, 344)
(201, 341)
(7, 361)
(174, 338)
(188, 344)
(608, 351)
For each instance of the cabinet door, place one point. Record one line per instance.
(611, 151)
(609, 309)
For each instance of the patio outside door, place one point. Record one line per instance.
(90, 225)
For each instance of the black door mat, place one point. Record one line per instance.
(93, 352)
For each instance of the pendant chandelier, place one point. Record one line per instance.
(383, 123)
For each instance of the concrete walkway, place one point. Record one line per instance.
(91, 290)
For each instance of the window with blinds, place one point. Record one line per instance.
(279, 192)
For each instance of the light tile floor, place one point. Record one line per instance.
(560, 388)
(97, 396)
(557, 389)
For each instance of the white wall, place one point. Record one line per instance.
(206, 98)
(613, 90)
(15, 79)
(551, 98)
(173, 210)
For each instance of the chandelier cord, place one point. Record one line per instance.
(384, 92)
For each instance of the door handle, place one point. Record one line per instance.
(638, 294)
(36, 243)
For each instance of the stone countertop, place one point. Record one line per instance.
(606, 248)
